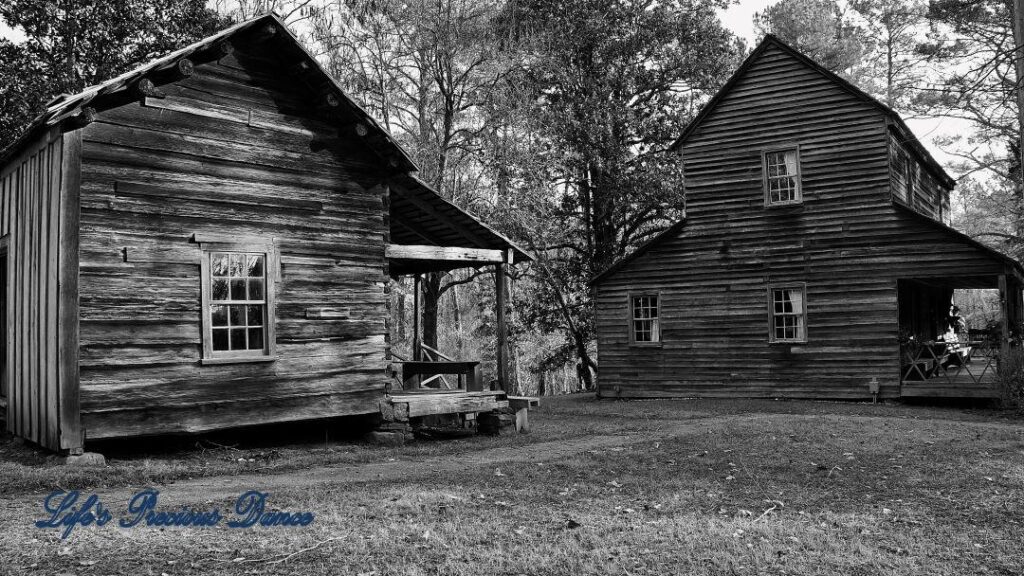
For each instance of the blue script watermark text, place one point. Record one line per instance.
(68, 510)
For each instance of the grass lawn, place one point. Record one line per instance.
(598, 487)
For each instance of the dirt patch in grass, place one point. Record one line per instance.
(667, 487)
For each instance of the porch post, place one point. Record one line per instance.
(502, 350)
(1004, 313)
(416, 352)
(1018, 298)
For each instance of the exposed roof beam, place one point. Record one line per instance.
(444, 254)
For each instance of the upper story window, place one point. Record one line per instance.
(238, 302)
(788, 313)
(782, 176)
(645, 319)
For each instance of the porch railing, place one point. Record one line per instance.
(432, 355)
(972, 362)
(435, 367)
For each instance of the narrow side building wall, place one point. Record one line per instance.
(37, 205)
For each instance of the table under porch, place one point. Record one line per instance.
(431, 235)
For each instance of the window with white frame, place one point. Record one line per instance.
(782, 177)
(645, 322)
(788, 313)
(238, 300)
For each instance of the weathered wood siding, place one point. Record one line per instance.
(847, 242)
(227, 152)
(925, 193)
(31, 221)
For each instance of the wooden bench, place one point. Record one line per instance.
(522, 405)
(468, 372)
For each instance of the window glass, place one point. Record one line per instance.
(645, 321)
(238, 307)
(782, 177)
(788, 314)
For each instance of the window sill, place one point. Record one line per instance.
(237, 360)
(792, 206)
(786, 342)
(646, 344)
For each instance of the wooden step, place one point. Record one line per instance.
(421, 404)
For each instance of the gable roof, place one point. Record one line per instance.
(897, 122)
(65, 107)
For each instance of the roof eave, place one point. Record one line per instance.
(520, 254)
(962, 237)
(640, 251)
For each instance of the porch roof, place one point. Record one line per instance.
(421, 218)
(1009, 265)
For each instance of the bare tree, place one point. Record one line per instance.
(423, 68)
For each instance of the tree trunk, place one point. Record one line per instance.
(457, 320)
(602, 225)
(1018, 41)
(431, 287)
(586, 362)
(400, 312)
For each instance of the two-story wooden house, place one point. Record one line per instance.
(815, 258)
(206, 241)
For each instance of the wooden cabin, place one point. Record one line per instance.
(815, 259)
(206, 242)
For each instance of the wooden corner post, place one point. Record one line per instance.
(71, 436)
(1005, 317)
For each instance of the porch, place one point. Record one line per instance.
(428, 235)
(965, 370)
(940, 359)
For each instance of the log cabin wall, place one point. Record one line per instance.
(846, 241)
(41, 390)
(228, 152)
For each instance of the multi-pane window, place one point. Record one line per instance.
(238, 303)
(782, 177)
(788, 305)
(238, 300)
(645, 324)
